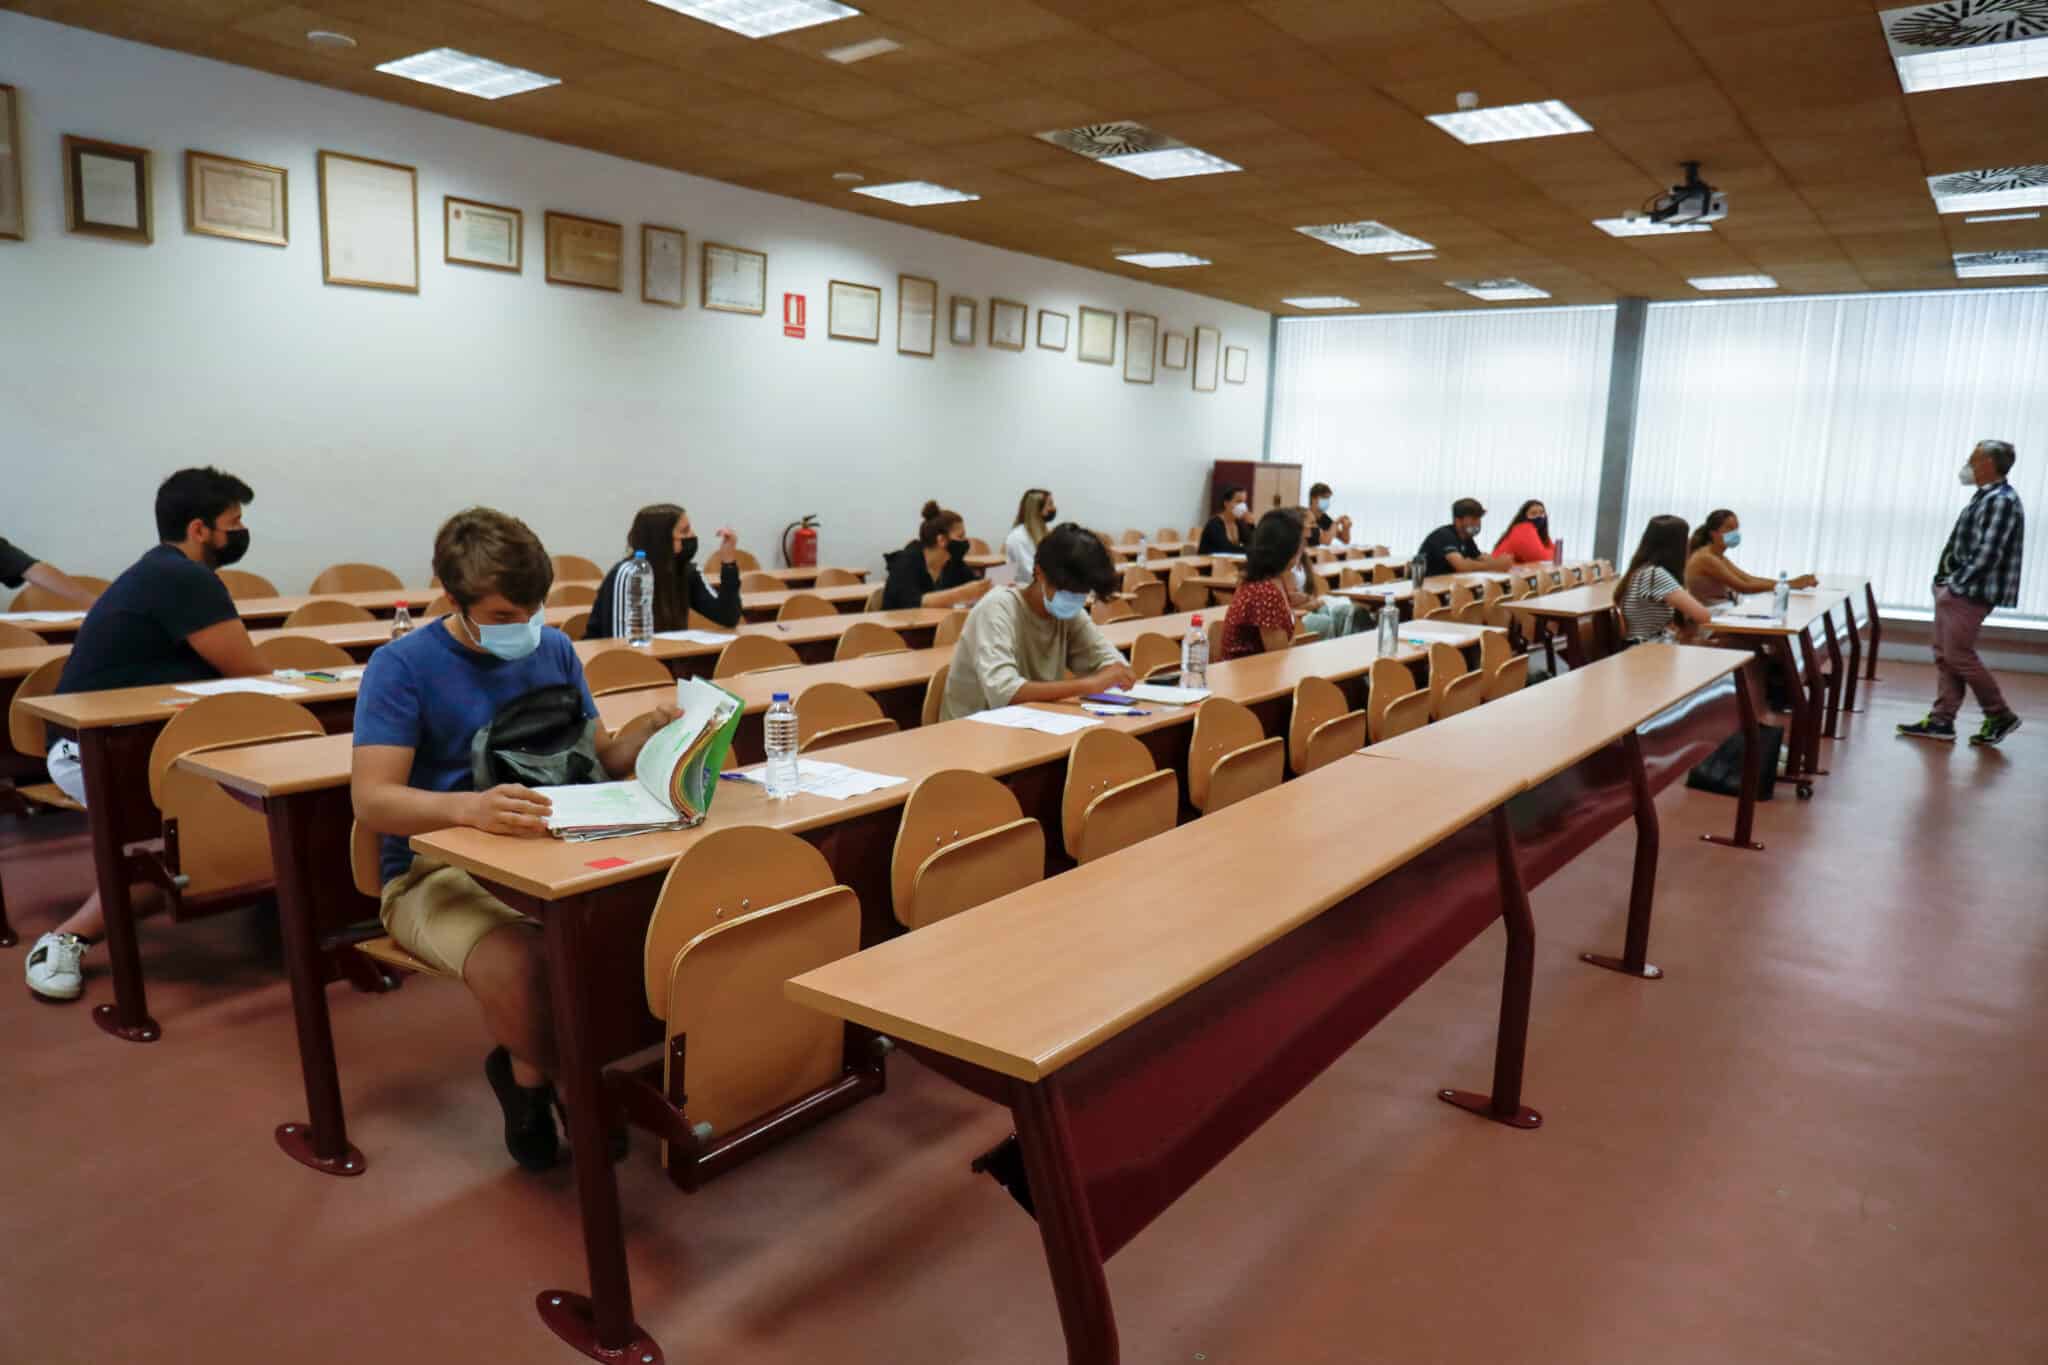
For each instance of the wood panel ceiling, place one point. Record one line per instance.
(1794, 106)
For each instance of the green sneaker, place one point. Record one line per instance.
(1995, 728)
(1930, 728)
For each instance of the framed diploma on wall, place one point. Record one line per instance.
(1173, 351)
(663, 252)
(243, 201)
(1052, 329)
(732, 279)
(1208, 348)
(917, 315)
(1098, 336)
(1141, 344)
(107, 190)
(853, 312)
(1236, 363)
(13, 215)
(369, 223)
(489, 235)
(588, 253)
(966, 323)
(1006, 322)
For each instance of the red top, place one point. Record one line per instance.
(1524, 545)
(1255, 605)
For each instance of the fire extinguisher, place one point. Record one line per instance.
(800, 543)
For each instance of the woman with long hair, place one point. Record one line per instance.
(663, 531)
(1650, 592)
(1527, 539)
(1229, 532)
(1261, 617)
(1710, 575)
(932, 570)
(1036, 512)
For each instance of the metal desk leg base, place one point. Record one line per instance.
(1505, 1105)
(108, 1017)
(569, 1316)
(1752, 763)
(295, 1140)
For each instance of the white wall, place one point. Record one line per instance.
(363, 417)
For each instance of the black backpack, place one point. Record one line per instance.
(542, 739)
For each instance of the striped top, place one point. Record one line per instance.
(1643, 608)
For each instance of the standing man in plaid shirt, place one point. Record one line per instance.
(1979, 570)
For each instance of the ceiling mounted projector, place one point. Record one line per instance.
(1693, 201)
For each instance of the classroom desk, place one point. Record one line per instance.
(1585, 617)
(762, 606)
(1813, 691)
(803, 577)
(1138, 549)
(1852, 584)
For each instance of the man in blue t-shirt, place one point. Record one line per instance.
(168, 619)
(422, 701)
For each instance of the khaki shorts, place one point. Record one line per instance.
(438, 913)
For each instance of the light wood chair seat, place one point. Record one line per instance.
(240, 583)
(303, 652)
(1229, 756)
(1406, 713)
(36, 598)
(1510, 677)
(963, 841)
(47, 794)
(572, 595)
(623, 670)
(867, 637)
(1115, 795)
(24, 730)
(1322, 727)
(754, 581)
(1149, 599)
(830, 713)
(753, 654)
(1389, 681)
(837, 578)
(804, 606)
(363, 860)
(328, 612)
(577, 626)
(355, 578)
(213, 844)
(1471, 613)
(576, 567)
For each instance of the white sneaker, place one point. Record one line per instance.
(54, 968)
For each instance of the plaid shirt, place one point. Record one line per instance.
(1982, 558)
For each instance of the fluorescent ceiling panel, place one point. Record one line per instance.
(1139, 150)
(1321, 301)
(2001, 217)
(761, 18)
(1998, 187)
(1414, 256)
(1498, 291)
(1162, 260)
(1988, 265)
(1364, 238)
(916, 193)
(1511, 122)
(860, 52)
(1710, 283)
(1643, 227)
(1967, 42)
(467, 75)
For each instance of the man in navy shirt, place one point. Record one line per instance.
(423, 699)
(1454, 548)
(168, 619)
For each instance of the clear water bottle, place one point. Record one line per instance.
(1418, 569)
(778, 730)
(639, 590)
(1781, 596)
(401, 621)
(1390, 629)
(1194, 655)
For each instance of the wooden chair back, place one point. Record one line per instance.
(1168, 533)
(865, 637)
(35, 598)
(573, 568)
(873, 601)
(1101, 760)
(935, 695)
(1350, 578)
(963, 840)
(365, 858)
(752, 581)
(804, 606)
(577, 626)
(355, 578)
(1135, 574)
(241, 584)
(1149, 599)
(1407, 713)
(728, 874)
(26, 731)
(327, 612)
(571, 595)
(1382, 573)
(1388, 681)
(753, 654)
(1464, 693)
(1188, 596)
(1112, 611)
(1322, 728)
(443, 605)
(1430, 607)
(948, 629)
(303, 652)
(1492, 590)
(1494, 650)
(1133, 537)
(828, 708)
(1472, 613)
(976, 545)
(1446, 666)
(1576, 575)
(1194, 535)
(1509, 676)
(837, 578)
(1229, 756)
(1154, 653)
(213, 842)
(1226, 570)
(19, 637)
(623, 670)
(1158, 552)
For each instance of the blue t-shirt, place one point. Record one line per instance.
(429, 693)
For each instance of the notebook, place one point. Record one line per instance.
(673, 780)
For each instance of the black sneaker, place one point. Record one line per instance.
(1930, 728)
(1996, 728)
(530, 1134)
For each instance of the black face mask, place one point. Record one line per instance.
(957, 550)
(1542, 525)
(687, 556)
(1051, 515)
(237, 546)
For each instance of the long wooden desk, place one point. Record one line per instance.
(762, 606)
(798, 577)
(1814, 691)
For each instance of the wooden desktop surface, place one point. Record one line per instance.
(141, 705)
(772, 602)
(1589, 600)
(1801, 611)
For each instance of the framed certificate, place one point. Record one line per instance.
(1006, 319)
(1208, 346)
(13, 216)
(489, 235)
(243, 201)
(1173, 351)
(369, 223)
(106, 190)
(1052, 330)
(917, 315)
(588, 253)
(1098, 336)
(1236, 361)
(966, 322)
(662, 256)
(733, 279)
(1141, 342)
(853, 312)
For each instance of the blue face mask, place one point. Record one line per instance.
(1065, 606)
(1322, 504)
(1732, 539)
(510, 642)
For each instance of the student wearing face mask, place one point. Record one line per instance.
(1036, 512)
(663, 531)
(1710, 575)
(1020, 641)
(932, 571)
(424, 698)
(167, 619)
(1527, 539)
(1229, 532)
(1455, 548)
(1322, 528)
(1323, 617)
(1261, 614)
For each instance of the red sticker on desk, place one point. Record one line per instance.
(606, 864)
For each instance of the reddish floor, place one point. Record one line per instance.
(1819, 1139)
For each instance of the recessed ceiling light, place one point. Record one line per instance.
(1496, 291)
(327, 37)
(1643, 227)
(1999, 187)
(467, 75)
(1321, 301)
(860, 52)
(1414, 256)
(849, 177)
(761, 18)
(1719, 282)
(1139, 150)
(1967, 42)
(1162, 260)
(916, 193)
(1511, 122)
(1364, 238)
(2000, 217)
(1985, 265)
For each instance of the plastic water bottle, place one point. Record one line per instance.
(779, 739)
(1418, 569)
(639, 590)
(401, 621)
(1390, 629)
(1781, 596)
(1194, 655)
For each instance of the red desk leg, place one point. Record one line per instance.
(128, 1017)
(1505, 1104)
(1827, 621)
(1816, 704)
(322, 1143)
(1752, 763)
(8, 938)
(600, 1326)
(1876, 630)
(1642, 890)
(1060, 1203)
(1849, 679)
(1779, 649)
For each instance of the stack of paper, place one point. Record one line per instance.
(1024, 718)
(265, 686)
(815, 777)
(695, 637)
(1162, 694)
(42, 616)
(606, 810)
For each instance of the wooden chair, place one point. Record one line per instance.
(864, 638)
(1407, 713)
(624, 670)
(1115, 795)
(1194, 535)
(873, 601)
(947, 631)
(745, 562)
(1229, 756)
(575, 568)
(1472, 613)
(830, 713)
(805, 606)
(327, 612)
(1576, 575)
(976, 545)
(242, 584)
(1322, 729)
(1492, 590)
(303, 652)
(572, 595)
(577, 626)
(214, 846)
(355, 578)
(1226, 570)
(1350, 578)
(19, 637)
(1510, 675)
(1389, 681)
(753, 654)
(963, 841)
(31, 739)
(1136, 576)
(1185, 595)
(1430, 607)
(33, 598)
(1452, 688)
(443, 605)
(1382, 573)
(1149, 599)
(1167, 533)
(935, 695)
(1154, 653)
(1133, 537)
(1112, 611)
(1157, 552)
(363, 860)
(837, 578)
(761, 582)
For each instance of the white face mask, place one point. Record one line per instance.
(1301, 578)
(1239, 510)
(1966, 476)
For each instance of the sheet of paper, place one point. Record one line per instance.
(695, 637)
(1164, 695)
(605, 805)
(1739, 618)
(351, 674)
(42, 616)
(1024, 718)
(1096, 708)
(814, 777)
(265, 686)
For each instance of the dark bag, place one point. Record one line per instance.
(541, 739)
(1721, 771)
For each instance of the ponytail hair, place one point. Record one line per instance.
(937, 521)
(1716, 519)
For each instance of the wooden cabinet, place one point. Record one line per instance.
(1271, 485)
